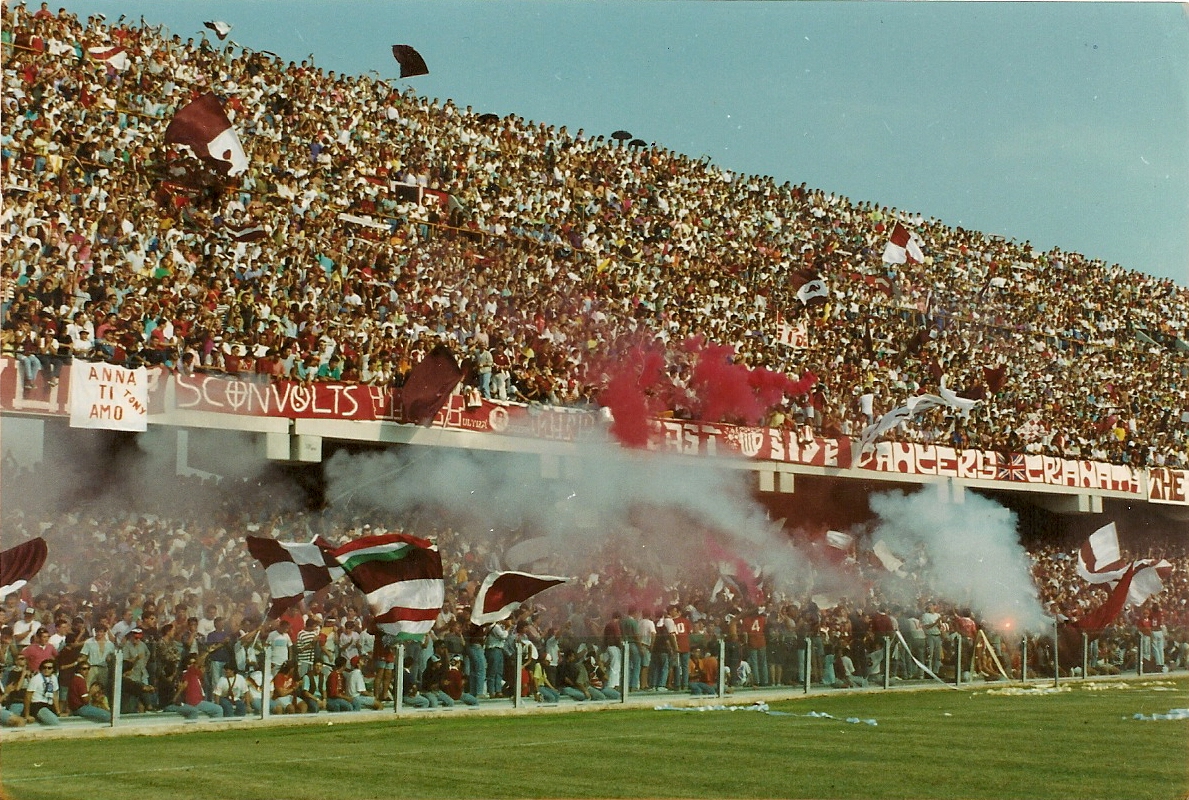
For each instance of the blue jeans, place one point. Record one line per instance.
(439, 698)
(94, 714)
(233, 708)
(933, 652)
(660, 669)
(204, 707)
(681, 672)
(495, 670)
(697, 687)
(338, 704)
(30, 366)
(757, 657)
(634, 664)
(478, 662)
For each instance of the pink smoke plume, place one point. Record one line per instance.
(719, 389)
(633, 395)
(733, 391)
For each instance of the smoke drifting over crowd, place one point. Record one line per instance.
(661, 510)
(675, 517)
(972, 549)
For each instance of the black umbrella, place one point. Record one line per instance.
(411, 62)
(621, 136)
(489, 117)
(637, 143)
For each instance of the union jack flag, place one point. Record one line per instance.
(1012, 467)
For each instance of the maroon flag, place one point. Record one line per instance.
(502, 593)
(114, 56)
(19, 564)
(1106, 613)
(411, 62)
(428, 386)
(995, 378)
(250, 232)
(203, 126)
(295, 570)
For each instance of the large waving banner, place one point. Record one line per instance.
(109, 397)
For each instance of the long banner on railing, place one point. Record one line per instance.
(221, 394)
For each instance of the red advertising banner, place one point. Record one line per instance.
(764, 444)
(294, 400)
(221, 394)
(921, 459)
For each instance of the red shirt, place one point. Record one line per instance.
(756, 626)
(193, 693)
(35, 653)
(76, 694)
(682, 626)
(334, 685)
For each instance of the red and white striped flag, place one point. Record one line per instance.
(203, 126)
(295, 570)
(503, 592)
(402, 578)
(250, 232)
(1099, 559)
(115, 56)
(903, 245)
(19, 564)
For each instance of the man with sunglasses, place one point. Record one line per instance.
(41, 695)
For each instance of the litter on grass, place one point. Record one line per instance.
(1026, 691)
(765, 709)
(1175, 713)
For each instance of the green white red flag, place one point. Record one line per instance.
(402, 578)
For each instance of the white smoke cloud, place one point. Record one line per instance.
(974, 551)
(658, 505)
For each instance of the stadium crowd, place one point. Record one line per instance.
(173, 586)
(541, 255)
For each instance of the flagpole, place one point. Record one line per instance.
(398, 699)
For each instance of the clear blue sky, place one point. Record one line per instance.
(1065, 123)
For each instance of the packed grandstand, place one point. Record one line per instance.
(371, 225)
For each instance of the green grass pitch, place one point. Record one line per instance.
(1081, 742)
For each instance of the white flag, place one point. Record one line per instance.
(109, 397)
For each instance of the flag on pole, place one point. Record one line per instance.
(886, 557)
(1148, 581)
(903, 246)
(250, 232)
(814, 292)
(411, 62)
(1105, 614)
(402, 578)
(203, 126)
(1099, 559)
(114, 56)
(501, 593)
(19, 564)
(428, 385)
(295, 570)
(220, 28)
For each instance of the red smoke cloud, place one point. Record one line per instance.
(719, 389)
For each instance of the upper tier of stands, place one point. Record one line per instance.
(555, 250)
